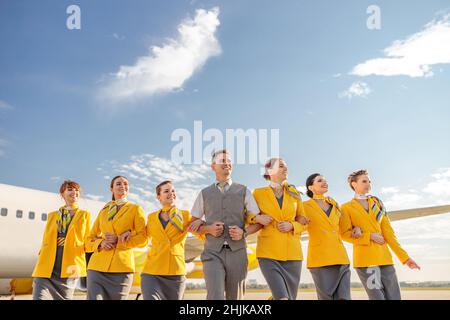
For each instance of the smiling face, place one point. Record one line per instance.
(167, 195)
(70, 195)
(222, 166)
(278, 170)
(119, 188)
(362, 185)
(319, 185)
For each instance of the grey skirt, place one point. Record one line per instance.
(332, 282)
(283, 277)
(380, 282)
(162, 287)
(108, 285)
(55, 287)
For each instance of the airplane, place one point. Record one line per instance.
(23, 215)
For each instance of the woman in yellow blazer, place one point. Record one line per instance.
(118, 229)
(278, 246)
(61, 258)
(327, 258)
(371, 257)
(163, 276)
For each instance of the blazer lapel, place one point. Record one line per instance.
(163, 231)
(363, 211)
(74, 221)
(121, 212)
(323, 214)
(274, 203)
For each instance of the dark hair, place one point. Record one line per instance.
(112, 183)
(69, 184)
(159, 186)
(310, 182)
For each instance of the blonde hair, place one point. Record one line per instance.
(218, 152)
(353, 177)
(269, 165)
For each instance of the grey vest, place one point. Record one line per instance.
(228, 207)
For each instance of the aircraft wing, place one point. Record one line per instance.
(417, 212)
(194, 246)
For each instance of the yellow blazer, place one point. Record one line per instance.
(166, 256)
(74, 260)
(121, 259)
(272, 243)
(367, 253)
(325, 247)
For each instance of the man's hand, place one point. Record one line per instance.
(236, 233)
(216, 229)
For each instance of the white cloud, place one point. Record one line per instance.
(4, 105)
(357, 89)
(94, 197)
(146, 171)
(440, 187)
(388, 190)
(414, 56)
(166, 68)
(435, 192)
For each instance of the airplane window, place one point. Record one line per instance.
(4, 212)
(31, 215)
(19, 214)
(44, 217)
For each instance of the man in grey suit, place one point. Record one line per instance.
(226, 207)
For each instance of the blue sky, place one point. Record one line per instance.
(288, 65)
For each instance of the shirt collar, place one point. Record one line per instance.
(228, 182)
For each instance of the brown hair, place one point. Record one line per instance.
(353, 177)
(112, 183)
(69, 184)
(159, 186)
(269, 165)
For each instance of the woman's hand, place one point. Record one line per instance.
(285, 226)
(125, 236)
(106, 245)
(412, 264)
(377, 238)
(303, 220)
(356, 233)
(195, 225)
(111, 237)
(263, 219)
